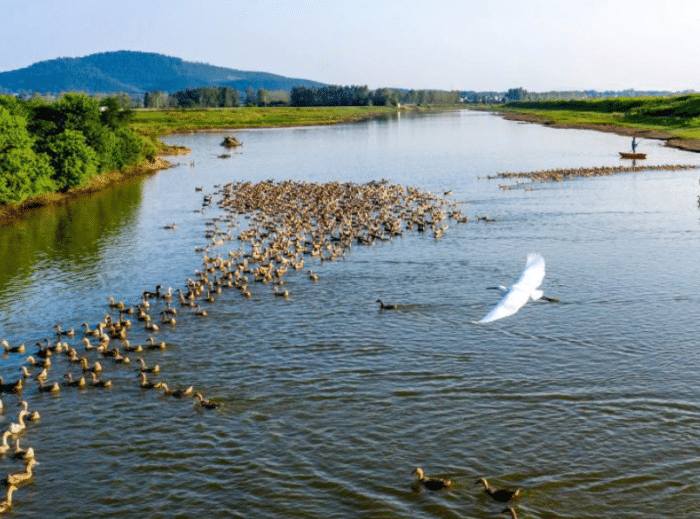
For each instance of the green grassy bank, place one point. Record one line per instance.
(675, 119)
(153, 124)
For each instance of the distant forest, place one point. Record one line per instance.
(331, 95)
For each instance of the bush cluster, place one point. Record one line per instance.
(54, 146)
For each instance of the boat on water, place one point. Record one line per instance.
(629, 155)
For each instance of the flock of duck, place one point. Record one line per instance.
(501, 495)
(560, 174)
(280, 226)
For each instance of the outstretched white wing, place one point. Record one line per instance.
(525, 288)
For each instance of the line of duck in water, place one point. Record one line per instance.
(560, 174)
(500, 495)
(14, 479)
(287, 223)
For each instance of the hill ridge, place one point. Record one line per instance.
(136, 72)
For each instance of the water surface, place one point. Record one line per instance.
(592, 405)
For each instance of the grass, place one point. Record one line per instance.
(153, 124)
(676, 115)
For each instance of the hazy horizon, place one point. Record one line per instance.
(539, 45)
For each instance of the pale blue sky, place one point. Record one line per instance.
(446, 44)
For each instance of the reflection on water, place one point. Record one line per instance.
(57, 243)
(589, 405)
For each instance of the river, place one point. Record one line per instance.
(590, 405)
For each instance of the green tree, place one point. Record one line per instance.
(73, 160)
(23, 172)
(250, 97)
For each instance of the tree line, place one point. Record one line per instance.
(331, 95)
(362, 96)
(54, 146)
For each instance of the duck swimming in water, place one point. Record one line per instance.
(177, 393)
(144, 369)
(145, 384)
(23, 454)
(7, 503)
(433, 484)
(21, 477)
(4, 446)
(384, 306)
(34, 416)
(501, 495)
(18, 426)
(206, 403)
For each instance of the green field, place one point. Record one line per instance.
(155, 123)
(676, 115)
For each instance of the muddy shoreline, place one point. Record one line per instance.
(671, 140)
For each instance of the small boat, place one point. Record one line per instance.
(231, 142)
(629, 155)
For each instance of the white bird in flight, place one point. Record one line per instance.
(518, 294)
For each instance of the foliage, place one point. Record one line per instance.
(23, 172)
(331, 95)
(46, 146)
(72, 159)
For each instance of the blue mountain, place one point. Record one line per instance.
(135, 73)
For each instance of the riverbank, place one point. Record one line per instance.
(154, 124)
(12, 212)
(675, 135)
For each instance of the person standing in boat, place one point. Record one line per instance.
(634, 144)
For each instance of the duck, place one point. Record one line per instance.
(21, 477)
(177, 393)
(52, 388)
(200, 312)
(152, 345)
(501, 495)
(433, 484)
(43, 363)
(151, 327)
(284, 293)
(96, 368)
(7, 503)
(79, 382)
(12, 349)
(128, 347)
(4, 446)
(34, 416)
(18, 426)
(144, 369)
(384, 306)
(116, 305)
(120, 359)
(100, 383)
(13, 387)
(145, 384)
(23, 454)
(313, 276)
(205, 402)
(43, 375)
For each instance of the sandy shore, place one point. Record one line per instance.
(671, 140)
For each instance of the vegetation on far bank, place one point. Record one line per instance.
(155, 123)
(676, 115)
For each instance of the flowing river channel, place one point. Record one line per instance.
(590, 405)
